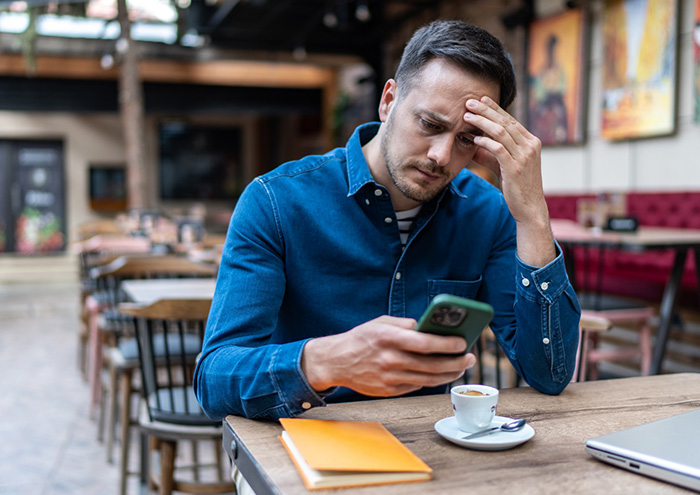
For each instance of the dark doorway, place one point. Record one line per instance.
(32, 202)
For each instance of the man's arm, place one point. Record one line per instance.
(241, 372)
(547, 312)
(536, 313)
(514, 154)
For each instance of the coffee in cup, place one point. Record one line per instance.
(474, 406)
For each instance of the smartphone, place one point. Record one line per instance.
(453, 315)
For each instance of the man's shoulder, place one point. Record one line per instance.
(308, 166)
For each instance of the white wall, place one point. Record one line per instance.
(652, 164)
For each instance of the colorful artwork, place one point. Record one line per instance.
(555, 78)
(639, 68)
(696, 58)
(38, 232)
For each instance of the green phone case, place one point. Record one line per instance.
(453, 315)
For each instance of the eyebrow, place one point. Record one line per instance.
(474, 131)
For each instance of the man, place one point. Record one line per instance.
(329, 260)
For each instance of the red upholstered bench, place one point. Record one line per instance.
(640, 275)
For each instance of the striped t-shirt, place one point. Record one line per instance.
(405, 219)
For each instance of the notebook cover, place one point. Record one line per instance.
(351, 446)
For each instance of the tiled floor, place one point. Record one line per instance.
(48, 442)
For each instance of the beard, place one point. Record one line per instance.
(398, 171)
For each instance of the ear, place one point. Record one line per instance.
(388, 99)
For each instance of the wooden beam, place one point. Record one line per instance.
(216, 72)
(238, 73)
(58, 67)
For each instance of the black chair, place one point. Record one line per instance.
(170, 413)
(116, 334)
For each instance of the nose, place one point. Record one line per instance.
(440, 151)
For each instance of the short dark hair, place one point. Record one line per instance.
(470, 47)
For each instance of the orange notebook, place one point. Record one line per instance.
(333, 454)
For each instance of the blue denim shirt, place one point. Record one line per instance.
(313, 249)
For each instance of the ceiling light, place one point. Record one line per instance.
(330, 20)
(362, 12)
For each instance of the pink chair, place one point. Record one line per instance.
(589, 325)
(592, 326)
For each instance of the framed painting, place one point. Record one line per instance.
(639, 68)
(696, 59)
(555, 66)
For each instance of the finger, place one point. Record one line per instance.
(400, 373)
(420, 379)
(496, 138)
(426, 343)
(492, 112)
(397, 321)
(434, 364)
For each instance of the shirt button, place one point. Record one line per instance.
(526, 282)
(306, 405)
(388, 220)
(367, 202)
(545, 341)
(544, 285)
(377, 192)
(398, 275)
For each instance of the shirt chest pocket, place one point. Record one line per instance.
(461, 288)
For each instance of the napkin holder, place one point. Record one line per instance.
(622, 224)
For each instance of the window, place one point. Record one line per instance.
(108, 188)
(199, 162)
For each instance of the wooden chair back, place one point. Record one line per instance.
(100, 226)
(153, 266)
(164, 331)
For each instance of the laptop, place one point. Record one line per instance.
(667, 449)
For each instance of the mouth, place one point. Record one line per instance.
(428, 176)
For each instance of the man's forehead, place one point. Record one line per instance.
(426, 74)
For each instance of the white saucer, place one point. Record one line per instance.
(498, 440)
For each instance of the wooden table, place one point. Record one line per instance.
(554, 461)
(570, 234)
(150, 290)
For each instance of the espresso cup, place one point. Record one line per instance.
(474, 406)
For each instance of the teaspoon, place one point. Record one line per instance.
(513, 425)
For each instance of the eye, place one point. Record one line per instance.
(465, 140)
(429, 125)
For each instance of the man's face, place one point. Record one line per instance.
(425, 141)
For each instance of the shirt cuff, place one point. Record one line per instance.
(547, 282)
(290, 381)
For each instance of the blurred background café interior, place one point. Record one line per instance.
(129, 128)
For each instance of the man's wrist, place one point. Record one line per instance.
(535, 242)
(312, 365)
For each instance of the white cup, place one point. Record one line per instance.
(474, 412)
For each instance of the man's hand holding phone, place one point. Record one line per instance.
(453, 315)
(384, 357)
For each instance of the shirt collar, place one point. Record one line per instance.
(358, 169)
